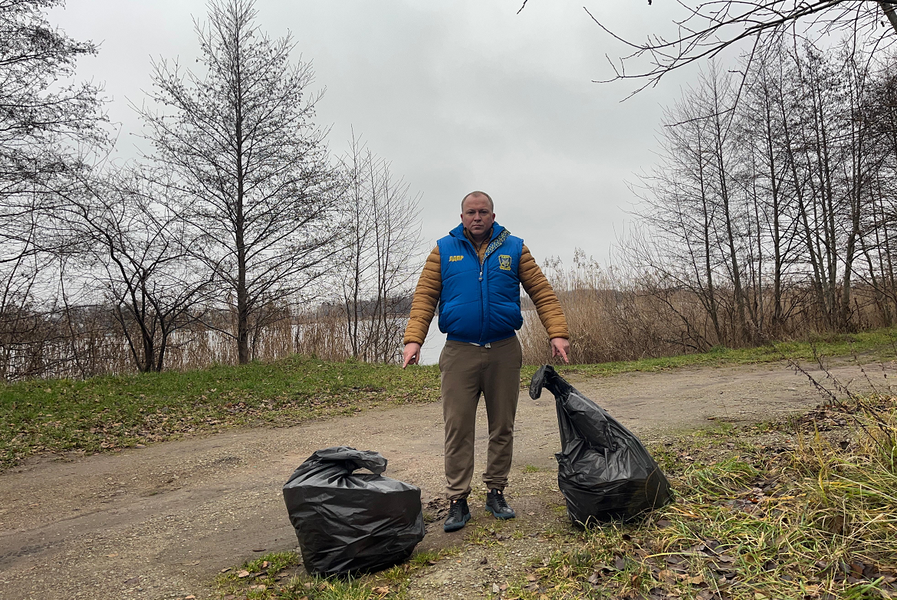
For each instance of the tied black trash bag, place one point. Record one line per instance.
(350, 522)
(604, 471)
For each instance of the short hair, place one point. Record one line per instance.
(478, 193)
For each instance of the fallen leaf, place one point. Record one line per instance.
(243, 573)
(666, 576)
(725, 558)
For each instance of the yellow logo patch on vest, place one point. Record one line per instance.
(504, 262)
(455, 258)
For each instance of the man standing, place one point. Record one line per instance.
(474, 275)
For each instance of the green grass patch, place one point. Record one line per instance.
(880, 343)
(109, 413)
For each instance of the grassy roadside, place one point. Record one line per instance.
(880, 344)
(109, 413)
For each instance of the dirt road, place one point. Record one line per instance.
(162, 521)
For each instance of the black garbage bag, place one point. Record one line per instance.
(604, 471)
(351, 522)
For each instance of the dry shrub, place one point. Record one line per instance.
(609, 317)
(617, 317)
(86, 342)
(324, 336)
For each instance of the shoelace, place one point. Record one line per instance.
(455, 510)
(500, 500)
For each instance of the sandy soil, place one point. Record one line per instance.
(162, 521)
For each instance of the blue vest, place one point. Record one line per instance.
(480, 304)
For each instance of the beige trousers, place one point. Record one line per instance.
(466, 372)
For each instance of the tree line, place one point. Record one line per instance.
(769, 213)
(235, 220)
(771, 210)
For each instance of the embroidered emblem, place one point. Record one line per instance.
(456, 258)
(504, 262)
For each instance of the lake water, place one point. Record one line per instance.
(429, 352)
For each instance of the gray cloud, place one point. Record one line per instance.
(458, 96)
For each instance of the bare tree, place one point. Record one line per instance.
(41, 115)
(706, 28)
(879, 242)
(47, 124)
(763, 136)
(791, 187)
(251, 175)
(695, 213)
(132, 248)
(378, 265)
(22, 336)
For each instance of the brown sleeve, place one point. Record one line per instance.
(540, 291)
(425, 299)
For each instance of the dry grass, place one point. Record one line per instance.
(805, 510)
(616, 317)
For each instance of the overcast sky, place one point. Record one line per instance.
(457, 95)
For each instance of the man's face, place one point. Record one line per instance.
(477, 216)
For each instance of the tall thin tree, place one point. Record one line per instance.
(249, 164)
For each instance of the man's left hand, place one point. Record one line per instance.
(560, 347)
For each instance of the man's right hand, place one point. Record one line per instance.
(411, 354)
(560, 347)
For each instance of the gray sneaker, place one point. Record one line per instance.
(459, 515)
(498, 506)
